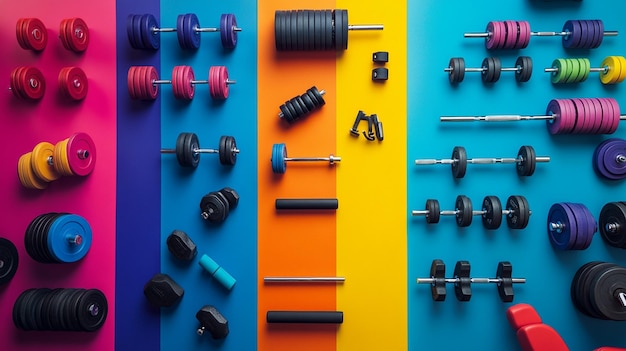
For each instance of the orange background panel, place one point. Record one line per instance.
(294, 244)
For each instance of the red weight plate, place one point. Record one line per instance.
(77, 34)
(190, 89)
(140, 83)
(63, 34)
(33, 82)
(14, 82)
(183, 78)
(74, 83)
(212, 81)
(219, 76)
(151, 76)
(130, 81)
(61, 79)
(176, 86)
(81, 154)
(36, 34)
(19, 34)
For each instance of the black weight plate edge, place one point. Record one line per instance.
(22, 309)
(17, 310)
(9, 251)
(464, 205)
(530, 161)
(39, 246)
(494, 208)
(434, 210)
(308, 102)
(487, 72)
(278, 39)
(606, 280)
(44, 237)
(317, 32)
(231, 144)
(340, 31)
(300, 29)
(575, 286)
(92, 323)
(460, 166)
(185, 153)
(45, 311)
(29, 237)
(497, 69)
(38, 307)
(329, 28)
(194, 143)
(606, 215)
(438, 285)
(586, 286)
(514, 203)
(344, 42)
(225, 203)
(72, 317)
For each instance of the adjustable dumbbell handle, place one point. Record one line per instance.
(304, 279)
(228, 81)
(365, 27)
(472, 280)
(235, 29)
(484, 69)
(441, 213)
(480, 160)
(307, 204)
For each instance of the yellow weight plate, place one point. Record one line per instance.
(614, 71)
(622, 75)
(29, 179)
(65, 160)
(20, 172)
(60, 158)
(43, 152)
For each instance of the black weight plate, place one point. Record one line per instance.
(526, 167)
(340, 30)
(38, 306)
(92, 310)
(463, 288)
(526, 69)
(39, 246)
(457, 72)
(292, 110)
(308, 102)
(587, 286)
(575, 287)
(303, 106)
(286, 113)
(487, 66)
(193, 143)
(300, 29)
(310, 29)
(27, 312)
(43, 235)
(311, 96)
(344, 38)
(54, 310)
(492, 219)
(224, 201)
(180, 148)
(505, 287)
(605, 287)
(329, 29)
(214, 207)
(318, 96)
(29, 237)
(518, 218)
(45, 312)
(438, 287)
(64, 308)
(296, 106)
(497, 69)
(434, 211)
(459, 166)
(613, 213)
(230, 156)
(185, 150)
(287, 29)
(20, 309)
(278, 39)
(72, 310)
(17, 310)
(317, 32)
(9, 260)
(465, 215)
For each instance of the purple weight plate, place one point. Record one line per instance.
(597, 113)
(589, 119)
(554, 125)
(601, 31)
(598, 166)
(613, 150)
(560, 213)
(491, 42)
(573, 39)
(511, 34)
(586, 34)
(524, 34)
(597, 38)
(591, 225)
(601, 166)
(581, 224)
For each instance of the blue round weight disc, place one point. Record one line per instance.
(279, 152)
(66, 227)
(566, 237)
(150, 38)
(228, 22)
(180, 31)
(573, 39)
(193, 37)
(581, 224)
(130, 32)
(137, 31)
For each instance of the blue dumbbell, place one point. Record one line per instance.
(280, 159)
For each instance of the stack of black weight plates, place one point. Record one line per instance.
(60, 309)
(599, 290)
(311, 30)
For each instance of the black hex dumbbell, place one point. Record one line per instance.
(181, 246)
(213, 321)
(216, 205)
(162, 291)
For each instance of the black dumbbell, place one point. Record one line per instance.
(162, 291)
(216, 205)
(612, 224)
(213, 321)
(525, 161)
(490, 69)
(517, 212)
(9, 260)
(188, 150)
(300, 106)
(463, 283)
(599, 290)
(314, 30)
(181, 246)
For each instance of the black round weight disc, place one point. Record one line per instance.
(492, 219)
(432, 206)
(520, 212)
(465, 215)
(227, 147)
(526, 167)
(92, 310)
(605, 290)
(613, 224)
(459, 166)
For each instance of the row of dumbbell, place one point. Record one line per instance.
(32, 34)
(563, 70)
(74, 156)
(29, 83)
(143, 82)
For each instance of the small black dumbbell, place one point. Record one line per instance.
(188, 150)
(216, 205)
(211, 320)
(162, 291)
(181, 246)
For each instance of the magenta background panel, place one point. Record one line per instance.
(24, 124)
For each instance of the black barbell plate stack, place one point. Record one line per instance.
(520, 215)
(459, 167)
(526, 69)
(526, 168)
(613, 214)
(434, 211)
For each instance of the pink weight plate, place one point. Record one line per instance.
(596, 116)
(151, 76)
(81, 154)
(615, 116)
(524, 34)
(181, 78)
(590, 112)
(607, 115)
(492, 41)
(511, 34)
(581, 116)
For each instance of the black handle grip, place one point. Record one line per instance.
(307, 204)
(332, 317)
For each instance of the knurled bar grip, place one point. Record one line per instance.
(326, 317)
(307, 204)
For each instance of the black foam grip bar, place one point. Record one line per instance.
(329, 317)
(307, 204)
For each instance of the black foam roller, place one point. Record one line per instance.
(307, 204)
(326, 317)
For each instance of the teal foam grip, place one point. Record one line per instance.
(217, 272)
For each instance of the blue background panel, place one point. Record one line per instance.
(435, 35)
(233, 243)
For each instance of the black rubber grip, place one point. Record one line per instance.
(329, 317)
(307, 204)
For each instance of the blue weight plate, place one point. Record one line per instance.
(130, 32)
(586, 34)
(193, 37)
(151, 39)
(592, 226)
(137, 32)
(600, 31)
(581, 224)
(228, 22)
(600, 160)
(612, 151)
(573, 39)
(180, 31)
(594, 42)
(64, 228)
(279, 152)
(563, 240)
